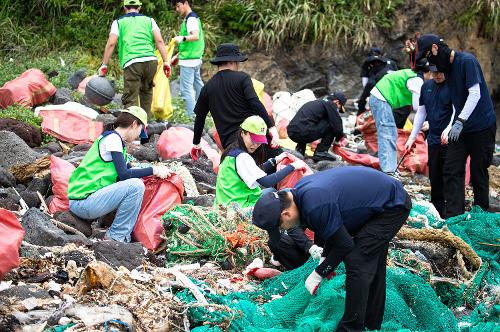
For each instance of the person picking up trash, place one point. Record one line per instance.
(230, 98)
(191, 43)
(357, 211)
(473, 127)
(242, 171)
(395, 90)
(103, 182)
(136, 36)
(435, 106)
(318, 119)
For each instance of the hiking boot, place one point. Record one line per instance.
(323, 155)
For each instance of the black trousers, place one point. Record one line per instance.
(366, 271)
(479, 146)
(436, 159)
(288, 253)
(322, 131)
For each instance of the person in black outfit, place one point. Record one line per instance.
(318, 119)
(293, 248)
(435, 106)
(473, 127)
(358, 210)
(373, 69)
(230, 98)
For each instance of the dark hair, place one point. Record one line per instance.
(124, 120)
(132, 7)
(174, 2)
(285, 201)
(257, 155)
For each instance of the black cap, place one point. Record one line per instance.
(422, 65)
(433, 68)
(337, 96)
(375, 51)
(227, 53)
(266, 215)
(424, 44)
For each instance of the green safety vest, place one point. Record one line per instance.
(190, 50)
(230, 187)
(135, 38)
(93, 173)
(393, 87)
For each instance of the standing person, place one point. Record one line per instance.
(395, 90)
(318, 119)
(373, 69)
(191, 43)
(472, 132)
(435, 106)
(230, 98)
(103, 182)
(240, 175)
(136, 36)
(357, 211)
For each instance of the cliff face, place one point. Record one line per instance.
(294, 68)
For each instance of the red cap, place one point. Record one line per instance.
(258, 139)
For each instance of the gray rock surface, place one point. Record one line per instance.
(6, 178)
(14, 151)
(39, 184)
(53, 147)
(24, 292)
(202, 200)
(75, 79)
(41, 231)
(62, 96)
(106, 119)
(119, 254)
(70, 219)
(31, 198)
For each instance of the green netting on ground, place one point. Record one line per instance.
(423, 215)
(283, 304)
(411, 304)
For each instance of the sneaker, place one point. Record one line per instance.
(323, 155)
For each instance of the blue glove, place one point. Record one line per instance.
(455, 131)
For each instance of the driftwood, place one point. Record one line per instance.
(24, 173)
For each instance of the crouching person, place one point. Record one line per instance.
(104, 182)
(240, 178)
(357, 210)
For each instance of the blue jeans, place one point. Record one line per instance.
(190, 87)
(387, 134)
(123, 196)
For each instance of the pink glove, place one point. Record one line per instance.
(196, 152)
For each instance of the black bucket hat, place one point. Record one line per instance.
(228, 52)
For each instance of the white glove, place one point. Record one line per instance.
(425, 126)
(161, 171)
(299, 165)
(409, 144)
(273, 261)
(280, 157)
(312, 282)
(444, 135)
(275, 141)
(315, 252)
(179, 39)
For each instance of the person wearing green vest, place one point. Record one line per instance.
(395, 90)
(103, 182)
(136, 36)
(240, 178)
(191, 43)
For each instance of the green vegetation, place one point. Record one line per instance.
(23, 114)
(485, 12)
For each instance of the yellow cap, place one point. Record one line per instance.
(139, 113)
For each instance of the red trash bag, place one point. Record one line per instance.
(356, 158)
(295, 176)
(29, 89)
(178, 141)
(70, 127)
(60, 171)
(160, 195)
(11, 237)
(263, 273)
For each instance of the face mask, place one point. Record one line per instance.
(442, 59)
